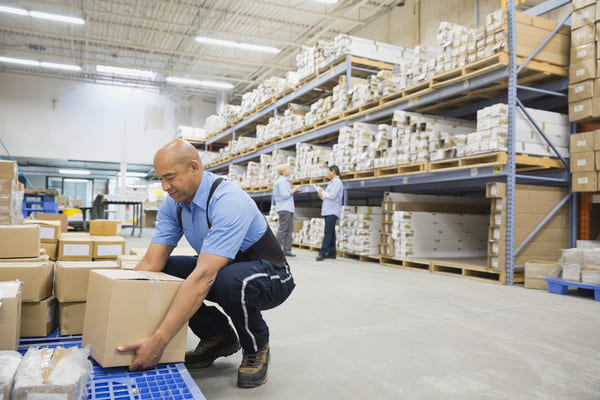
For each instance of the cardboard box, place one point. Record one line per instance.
(577, 4)
(10, 314)
(72, 277)
(49, 230)
(124, 306)
(583, 35)
(51, 250)
(128, 261)
(582, 71)
(8, 170)
(596, 107)
(535, 272)
(63, 218)
(581, 110)
(583, 162)
(581, 90)
(19, 241)
(495, 189)
(584, 182)
(75, 248)
(582, 142)
(584, 16)
(108, 247)
(38, 319)
(70, 318)
(105, 227)
(36, 278)
(583, 52)
(597, 153)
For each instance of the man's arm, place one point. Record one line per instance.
(155, 258)
(188, 300)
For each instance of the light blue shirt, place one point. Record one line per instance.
(283, 199)
(236, 221)
(333, 206)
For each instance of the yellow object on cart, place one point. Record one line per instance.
(71, 211)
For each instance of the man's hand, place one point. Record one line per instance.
(296, 188)
(320, 191)
(148, 350)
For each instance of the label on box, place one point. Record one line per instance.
(578, 108)
(580, 72)
(49, 314)
(581, 162)
(46, 233)
(582, 53)
(110, 250)
(581, 143)
(76, 250)
(579, 89)
(119, 229)
(582, 181)
(47, 396)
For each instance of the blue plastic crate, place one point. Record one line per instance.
(50, 207)
(166, 381)
(560, 286)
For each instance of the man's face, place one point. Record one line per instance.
(177, 179)
(330, 174)
(286, 173)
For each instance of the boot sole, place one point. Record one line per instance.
(205, 364)
(249, 384)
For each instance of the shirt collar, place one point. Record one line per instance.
(203, 189)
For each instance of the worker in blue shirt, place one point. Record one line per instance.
(330, 210)
(240, 266)
(283, 199)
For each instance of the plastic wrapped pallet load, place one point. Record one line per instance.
(9, 363)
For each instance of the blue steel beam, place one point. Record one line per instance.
(546, 6)
(542, 91)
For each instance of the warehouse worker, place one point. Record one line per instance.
(283, 199)
(330, 210)
(240, 266)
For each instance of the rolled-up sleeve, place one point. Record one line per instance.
(168, 231)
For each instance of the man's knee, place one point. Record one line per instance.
(180, 266)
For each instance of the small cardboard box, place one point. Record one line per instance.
(581, 110)
(583, 35)
(584, 16)
(577, 4)
(19, 241)
(51, 250)
(495, 189)
(70, 318)
(535, 272)
(124, 306)
(72, 277)
(582, 142)
(38, 319)
(75, 248)
(582, 71)
(583, 52)
(584, 181)
(128, 261)
(49, 230)
(10, 314)
(63, 218)
(583, 162)
(105, 227)
(581, 90)
(36, 278)
(8, 170)
(108, 247)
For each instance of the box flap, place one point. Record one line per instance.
(127, 274)
(87, 264)
(10, 289)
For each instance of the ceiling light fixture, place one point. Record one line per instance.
(57, 17)
(64, 67)
(127, 72)
(196, 82)
(137, 174)
(19, 61)
(43, 64)
(74, 171)
(13, 10)
(236, 44)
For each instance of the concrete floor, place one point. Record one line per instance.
(358, 330)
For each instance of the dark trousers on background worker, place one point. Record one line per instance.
(243, 290)
(328, 248)
(285, 231)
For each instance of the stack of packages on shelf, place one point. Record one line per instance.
(362, 155)
(225, 152)
(191, 132)
(427, 234)
(251, 178)
(305, 61)
(584, 88)
(281, 156)
(230, 113)
(453, 41)
(273, 220)
(585, 161)
(265, 91)
(385, 154)
(581, 265)
(293, 118)
(264, 133)
(214, 124)
(266, 170)
(242, 144)
(359, 230)
(11, 194)
(311, 160)
(208, 157)
(311, 233)
(237, 174)
(343, 151)
(340, 97)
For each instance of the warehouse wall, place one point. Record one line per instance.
(62, 119)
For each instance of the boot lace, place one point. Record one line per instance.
(252, 360)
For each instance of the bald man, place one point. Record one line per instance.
(240, 266)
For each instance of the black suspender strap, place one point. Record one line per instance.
(214, 186)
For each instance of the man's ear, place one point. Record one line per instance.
(196, 167)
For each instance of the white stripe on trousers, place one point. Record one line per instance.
(243, 299)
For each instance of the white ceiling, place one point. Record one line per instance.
(160, 35)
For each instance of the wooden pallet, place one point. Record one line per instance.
(472, 268)
(406, 263)
(318, 181)
(527, 162)
(372, 258)
(480, 160)
(405, 169)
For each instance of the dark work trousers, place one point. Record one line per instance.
(285, 231)
(243, 290)
(328, 245)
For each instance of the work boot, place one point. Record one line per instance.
(253, 370)
(208, 350)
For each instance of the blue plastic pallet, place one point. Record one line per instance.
(560, 286)
(51, 338)
(166, 381)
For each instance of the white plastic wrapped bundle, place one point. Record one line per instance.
(237, 174)
(9, 362)
(208, 157)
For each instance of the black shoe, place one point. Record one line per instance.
(320, 258)
(332, 257)
(290, 255)
(253, 370)
(208, 350)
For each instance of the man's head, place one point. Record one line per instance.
(178, 166)
(333, 171)
(283, 169)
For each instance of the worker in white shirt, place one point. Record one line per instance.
(330, 210)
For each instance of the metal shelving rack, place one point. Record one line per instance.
(469, 179)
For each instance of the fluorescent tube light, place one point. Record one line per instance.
(13, 10)
(236, 44)
(137, 174)
(64, 67)
(57, 17)
(76, 180)
(74, 171)
(128, 72)
(196, 82)
(20, 61)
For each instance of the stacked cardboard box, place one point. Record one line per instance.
(585, 161)
(536, 271)
(237, 174)
(208, 157)
(50, 231)
(85, 247)
(584, 103)
(532, 205)
(10, 316)
(311, 160)
(358, 230)
(251, 178)
(11, 194)
(452, 51)
(581, 265)
(311, 232)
